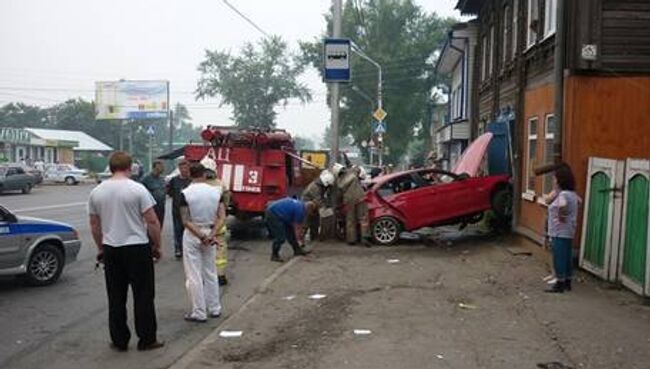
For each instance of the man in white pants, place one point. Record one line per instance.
(203, 214)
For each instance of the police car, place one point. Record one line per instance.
(35, 248)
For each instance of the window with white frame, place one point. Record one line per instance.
(550, 149)
(550, 17)
(492, 51)
(507, 33)
(533, 22)
(515, 25)
(484, 64)
(531, 155)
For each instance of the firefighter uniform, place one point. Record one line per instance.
(352, 193)
(316, 192)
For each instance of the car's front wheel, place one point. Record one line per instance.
(27, 189)
(385, 230)
(502, 203)
(45, 265)
(70, 181)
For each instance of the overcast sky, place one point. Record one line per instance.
(54, 50)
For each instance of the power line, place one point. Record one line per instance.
(246, 18)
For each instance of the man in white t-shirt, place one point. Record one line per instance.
(203, 214)
(127, 234)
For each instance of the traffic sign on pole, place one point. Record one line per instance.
(151, 131)
(337, 59)
(380, 128)
(380, 114)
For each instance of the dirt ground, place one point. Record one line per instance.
(462, 302)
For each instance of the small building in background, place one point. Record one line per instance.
(73, 147)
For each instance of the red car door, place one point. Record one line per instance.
(411, 199)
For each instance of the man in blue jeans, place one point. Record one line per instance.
(284, 220)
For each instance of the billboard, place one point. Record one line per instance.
(132, 99)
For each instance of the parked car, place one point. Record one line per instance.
(35, 248)
(65, 173)
(106, 174)
(14, 178)
(414, 199)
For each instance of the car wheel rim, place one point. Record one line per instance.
(44, 266)
(385, 231)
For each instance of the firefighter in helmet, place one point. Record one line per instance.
(317, 192)
(351, 194)
(222, 235)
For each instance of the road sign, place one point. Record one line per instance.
(337, 59)
(380, 114)
(380, 128)
(151, 131)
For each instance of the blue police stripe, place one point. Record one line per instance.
(15, 229)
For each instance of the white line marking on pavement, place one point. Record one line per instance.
(50, 207)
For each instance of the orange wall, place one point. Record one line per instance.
(607, 117)
(538, 102)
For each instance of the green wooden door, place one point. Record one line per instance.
(597, 219)
(636, 229)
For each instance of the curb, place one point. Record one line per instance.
(192, 355)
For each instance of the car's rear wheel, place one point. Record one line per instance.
(70, 181)
(27, 189)
(45, 265)
(385, 230)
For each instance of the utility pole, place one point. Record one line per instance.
(380, 100)
(334, 97)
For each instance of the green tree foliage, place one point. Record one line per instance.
(405, 40)
(254, 82)
(304, 143)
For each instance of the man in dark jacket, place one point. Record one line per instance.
(174, 189)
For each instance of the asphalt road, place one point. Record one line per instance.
(65, 325)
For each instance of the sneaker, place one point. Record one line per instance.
(301, 252)
(214, 315)
(190, 318)
(277, 259)
(178, 254)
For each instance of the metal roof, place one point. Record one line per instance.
(470, 7)
(86, 142)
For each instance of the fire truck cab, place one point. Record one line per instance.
(258, 166)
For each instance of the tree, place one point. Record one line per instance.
(253, 82)
(405, 41)
(21, 115)
(304, 143)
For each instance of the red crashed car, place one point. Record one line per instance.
(414, 199)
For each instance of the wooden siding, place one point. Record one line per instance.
(607, 117)
(619, 28)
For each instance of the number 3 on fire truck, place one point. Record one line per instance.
(253, 177)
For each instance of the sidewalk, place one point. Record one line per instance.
(465, 304)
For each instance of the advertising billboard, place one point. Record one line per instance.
(132, 99)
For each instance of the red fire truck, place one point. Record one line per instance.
(257, 165)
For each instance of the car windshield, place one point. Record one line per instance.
(398, 185)
(434, 178)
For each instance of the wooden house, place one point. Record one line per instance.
(603, 74)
